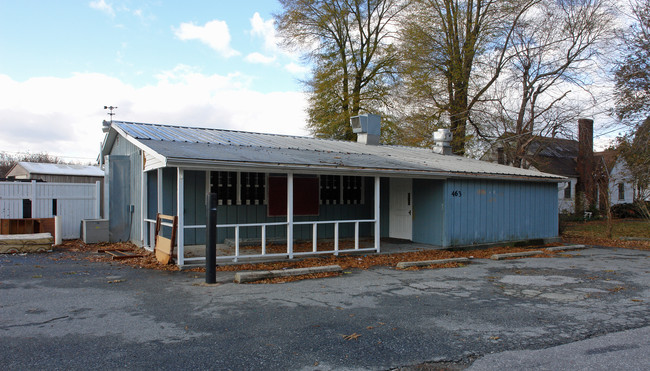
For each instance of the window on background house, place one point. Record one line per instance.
(252, 188)
(567, 191)
(621, 191)
(54, 207)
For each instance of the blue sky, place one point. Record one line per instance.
(196, 63)
(201, 63)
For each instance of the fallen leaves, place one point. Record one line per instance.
(595, 233)
(353, 336)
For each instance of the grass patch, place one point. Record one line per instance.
(595, 233)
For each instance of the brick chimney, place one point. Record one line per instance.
(586, 186)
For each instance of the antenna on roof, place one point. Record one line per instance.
(111, 113)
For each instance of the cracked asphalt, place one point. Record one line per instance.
(588, 306)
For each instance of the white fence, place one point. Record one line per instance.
(73, 202)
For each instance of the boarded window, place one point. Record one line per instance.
(252, 188)
(305, 195)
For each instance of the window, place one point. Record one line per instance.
(252, 188)
(336, 190)
(234, 188)
(567, 191)
(224, 184)
(621, 191)
(54, 206)
(352, 190)
(330, 189)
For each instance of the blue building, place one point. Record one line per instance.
(332, 196)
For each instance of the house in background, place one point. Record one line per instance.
(306, 189)
(620, 182)
(575, 160)
(56, 173)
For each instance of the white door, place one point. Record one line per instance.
(401, 209)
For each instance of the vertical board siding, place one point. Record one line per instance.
(75, 202)
(428, 211)
(483, 211)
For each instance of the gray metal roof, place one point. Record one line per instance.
(57, 169)
(205, 147)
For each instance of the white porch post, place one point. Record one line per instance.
(143, 202)
(159, 190)
(377, 229)
(33, 197)
(290, 215)
(98, 199)
(180, 182)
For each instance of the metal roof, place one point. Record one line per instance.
(59, 169)
(204, 147)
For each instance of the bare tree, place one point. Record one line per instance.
(554, 48)
(453, 51)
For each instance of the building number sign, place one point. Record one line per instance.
(456, 193)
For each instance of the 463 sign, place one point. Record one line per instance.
(456, 193)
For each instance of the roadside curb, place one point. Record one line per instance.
(423, 263)
(243, 277)
(515, 254)
(567, 248)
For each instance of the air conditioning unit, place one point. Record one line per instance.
(94, 230)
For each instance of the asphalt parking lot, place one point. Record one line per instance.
(583, 306)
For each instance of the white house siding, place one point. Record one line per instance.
(621, 175)
(566, 205)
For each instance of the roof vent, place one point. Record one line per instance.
(367, 127)
(442, 139)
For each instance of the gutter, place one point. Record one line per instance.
(316, 169)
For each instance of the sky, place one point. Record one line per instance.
(194, 63)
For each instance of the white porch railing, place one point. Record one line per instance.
(147, 232)
(290, 253)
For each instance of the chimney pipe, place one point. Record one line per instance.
(442, 139)
(501, 157)
(367, 127)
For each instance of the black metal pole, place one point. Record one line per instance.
(211, 240)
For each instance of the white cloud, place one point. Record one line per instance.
(101, 5)
(259, 58)
(296, 69)
(215, 34)
(62, 116)
(265, 30)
